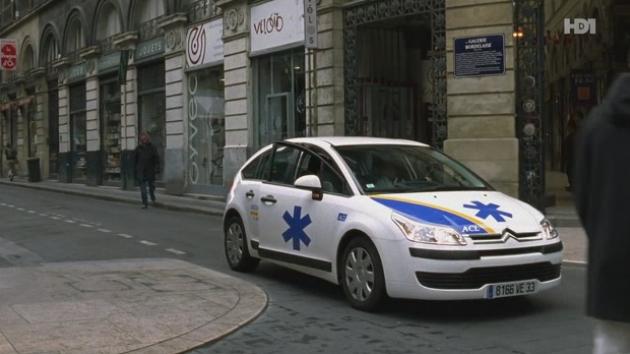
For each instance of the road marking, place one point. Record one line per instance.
(20, 209)
(177, 252)
(3, 204)
(54, 218)
(148, 243)
(44, 215)
(104, 230)
(125, 236)
(11, 205)
(86, 225)
(70, 221)
(31, 211)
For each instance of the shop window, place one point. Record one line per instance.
(152, 105)
(110, 129)
(206, 126)
(279, 96)
(53, 129)
(78, 132)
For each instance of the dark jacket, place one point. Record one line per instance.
(147, 162)
(602, 195)
(10, 154)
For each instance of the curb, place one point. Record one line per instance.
(205, 211)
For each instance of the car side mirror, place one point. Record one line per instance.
(311, 183)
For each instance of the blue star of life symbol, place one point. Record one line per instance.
(488, 210)
(297, 224)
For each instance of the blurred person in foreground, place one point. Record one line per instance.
(147, 166)
(602, 196)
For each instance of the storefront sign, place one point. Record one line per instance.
(310, 23)
(204, 44)
(76, 72)
(476, 56)
(108, 62)
(276, 24)
(150, 48)
(8, 54)
(583, 88)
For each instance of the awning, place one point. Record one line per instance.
(24, 101)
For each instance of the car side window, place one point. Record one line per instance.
(285, 160)
(257, 168)
(331, 180)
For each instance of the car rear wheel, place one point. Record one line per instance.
(362, 277)
(235, 246)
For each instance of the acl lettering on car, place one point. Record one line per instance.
(436, 215)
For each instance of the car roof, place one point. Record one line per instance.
(354, 140)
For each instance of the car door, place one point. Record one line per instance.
(295, 228)
(248, 189)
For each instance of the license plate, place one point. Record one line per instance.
(511, 289)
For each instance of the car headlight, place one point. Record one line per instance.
(548, 229)
(426, 233)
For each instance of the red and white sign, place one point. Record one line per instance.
(8, 54)
(276, 25)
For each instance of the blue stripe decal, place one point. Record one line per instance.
(433, 216)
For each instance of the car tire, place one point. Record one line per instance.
(235, 245)
(361, 275)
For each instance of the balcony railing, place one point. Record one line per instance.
(11, 11)
(106, 45)
(149, 30)
(203, 9)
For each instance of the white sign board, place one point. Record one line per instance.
(204, 44)
(310, 23)
(276, 24)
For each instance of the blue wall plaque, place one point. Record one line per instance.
(476, 56)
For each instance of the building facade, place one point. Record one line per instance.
(212, 81)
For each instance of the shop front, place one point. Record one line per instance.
(110, 129)
(205, 107)
(278, 63)
(53, 129)
(152, 94)
(78, 133)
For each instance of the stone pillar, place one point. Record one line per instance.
(328, 61)
(65, 155)
(174, 171)
(481, 110)
(41, 120)
(128, 118)
(94, 156)
(238, 123)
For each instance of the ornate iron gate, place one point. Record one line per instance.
(371, 11)
(529, 37)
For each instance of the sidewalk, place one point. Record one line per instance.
(124, 306)
(205, 204)
(564, 217)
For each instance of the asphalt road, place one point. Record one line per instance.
(305, 315)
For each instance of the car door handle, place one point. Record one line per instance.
(268, 199)
(250, 194)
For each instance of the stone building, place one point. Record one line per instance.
(212, 81)
(580, 68)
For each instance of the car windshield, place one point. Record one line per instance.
(406, 169)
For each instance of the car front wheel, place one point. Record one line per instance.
(235, 245)
(362, 277)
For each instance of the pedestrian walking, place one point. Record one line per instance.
(602, 195)
(147, 166)
(569, 150)
(11, 154)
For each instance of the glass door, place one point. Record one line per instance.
(78, 132)
(110, 130)
(53, 132)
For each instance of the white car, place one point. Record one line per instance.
(386, 217)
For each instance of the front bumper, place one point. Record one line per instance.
(456, 274)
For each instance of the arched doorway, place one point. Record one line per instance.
(395, 69)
